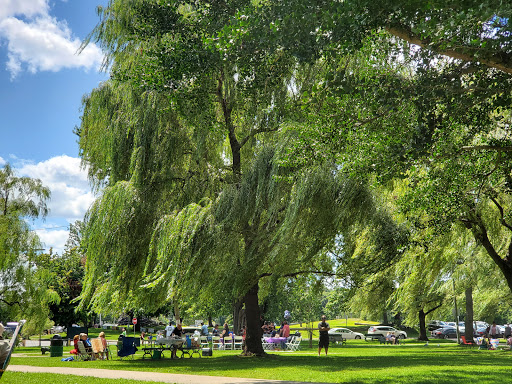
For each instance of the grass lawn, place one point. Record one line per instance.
(357, 362)
(49, 378)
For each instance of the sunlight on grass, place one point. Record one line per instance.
(357, 362)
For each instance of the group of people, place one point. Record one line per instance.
(84, 338)
(391, 338)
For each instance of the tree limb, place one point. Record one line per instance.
(501, 62)
(486, 147)
(500, 208)
(294, 274)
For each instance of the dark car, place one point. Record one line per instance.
(447, 332)
(435, 324)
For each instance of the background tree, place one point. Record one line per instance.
(24, 288)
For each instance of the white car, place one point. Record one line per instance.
(384, 329)
(335, 334)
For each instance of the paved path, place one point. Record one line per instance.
(144, 376)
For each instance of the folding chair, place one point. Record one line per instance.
(238, 341)
(294, 344)
(97, 348)
(83, 354)
(4, 361)
(126, 348)
(266, 345)
(216, 344)
(228, 342)
(467, 343)
(204, 342)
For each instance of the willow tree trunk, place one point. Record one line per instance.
(253, 344)
(469, 314)
(423, 329)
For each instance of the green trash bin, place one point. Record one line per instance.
(56, 351)
(56, 346)
(157, 354)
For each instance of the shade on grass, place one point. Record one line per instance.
(358, 362)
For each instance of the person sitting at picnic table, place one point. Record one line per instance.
(142, 338)
(215, 330)
(225, 330)
(266, 328)
(177, 332)
(204, 329)
(104, 343)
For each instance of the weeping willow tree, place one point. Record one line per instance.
(184, 144)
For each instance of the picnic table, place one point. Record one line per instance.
(160, 345)
(276, 341)
(380, 338)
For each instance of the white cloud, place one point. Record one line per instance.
(70, 199)
(39, 42)
(53, 238)
(71, 194)
(22, 7)
(2, 161)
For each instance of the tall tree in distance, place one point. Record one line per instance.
(24, 288)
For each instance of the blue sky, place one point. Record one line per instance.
(42, 82)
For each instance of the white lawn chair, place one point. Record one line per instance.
(238, 341)
(216, 344)
(294, 343)
(204, 341)
(228, 342)
(266, 346)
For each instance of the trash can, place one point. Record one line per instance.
(56, 346)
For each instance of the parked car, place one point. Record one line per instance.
(384, 329)
(336, 334)
(435, 324)
(448, 332)
(438, 332)
(481, 331)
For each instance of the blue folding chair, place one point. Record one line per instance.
(126, 347)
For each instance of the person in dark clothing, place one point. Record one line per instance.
(177, 332)
(323, 342)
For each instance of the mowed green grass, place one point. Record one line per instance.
(49, 378)
(357, 362)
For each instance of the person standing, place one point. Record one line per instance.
(493, 330)
(169, 329)
(508, 331)
(204, 329)
(323, 342)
